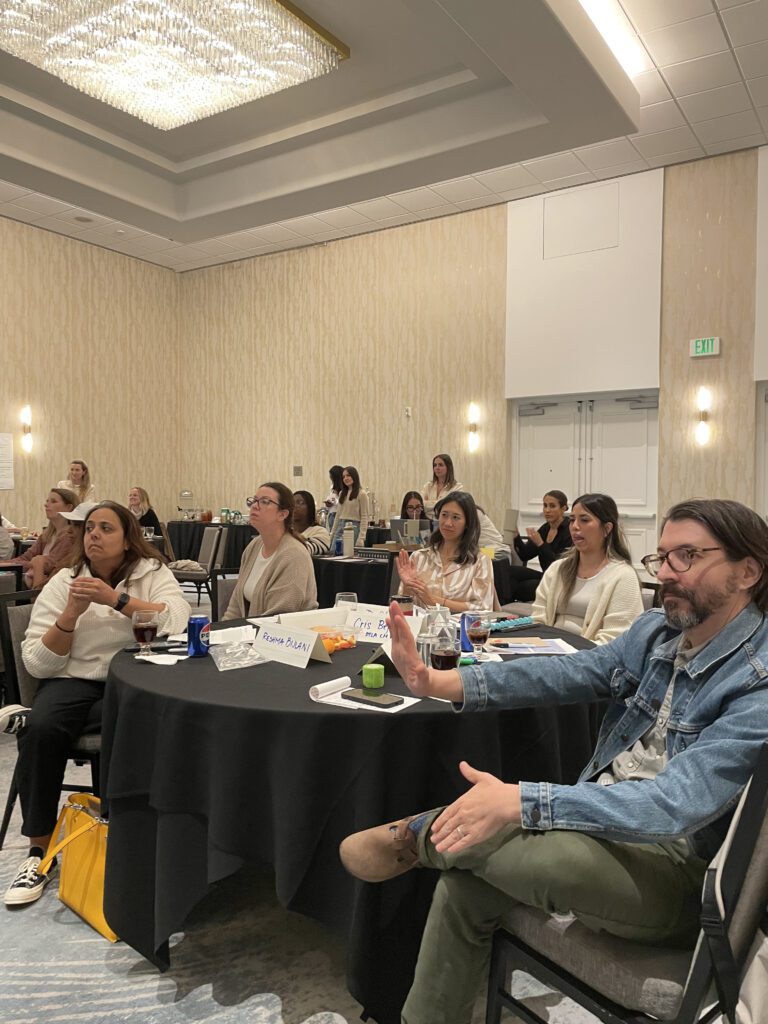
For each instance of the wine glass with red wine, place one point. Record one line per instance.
(145, 625)
(478, 633)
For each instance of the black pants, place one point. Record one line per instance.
(61, 711)
(523, 582)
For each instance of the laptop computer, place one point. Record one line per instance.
(410, 530)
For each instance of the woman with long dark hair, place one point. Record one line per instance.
(593, 590)
(547, 543)
(451, 570)
(80, 621)
(443, 482)
(276, 571)
(332, 500)
(353, 506)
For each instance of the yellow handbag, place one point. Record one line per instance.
(83, 857)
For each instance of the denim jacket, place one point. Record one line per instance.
(717, 724)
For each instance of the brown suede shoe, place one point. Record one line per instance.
(380, 853)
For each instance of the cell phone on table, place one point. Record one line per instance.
(381, 700)
(156, 645)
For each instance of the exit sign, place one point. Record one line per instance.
(705, 347)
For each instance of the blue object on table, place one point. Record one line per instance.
(500, 624)
(339, 545)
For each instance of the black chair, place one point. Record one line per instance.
(623, 982)
(20, 688)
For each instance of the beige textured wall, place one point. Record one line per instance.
(310, 358)
(708, 289)
(89, 339)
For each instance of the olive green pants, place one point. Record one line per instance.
(635, 891)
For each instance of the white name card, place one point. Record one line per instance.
(289, 646)
(370, 627)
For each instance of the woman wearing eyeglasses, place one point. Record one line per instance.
(451, 570)
(276, 572)
(412, 506)
(593, 590)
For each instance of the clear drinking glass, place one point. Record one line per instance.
(145, 625)
(346, 597)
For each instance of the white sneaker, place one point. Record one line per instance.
(28, 884)
(13, 718)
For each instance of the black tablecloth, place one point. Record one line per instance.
(377, 535)
(204, 770)
(186, 538)
(369, 580)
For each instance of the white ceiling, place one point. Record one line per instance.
(444, 106)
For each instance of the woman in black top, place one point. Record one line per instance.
(140, 506)
(548, 543)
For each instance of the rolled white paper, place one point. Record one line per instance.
(329, 689)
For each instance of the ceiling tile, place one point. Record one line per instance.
(521, 193)
(758, 88)
(651, 88)
(505, 178)
(570, 181)
(399, 221)
(377, 209)
(42, 205)
(418, 199)
(683, 157)
(84, 220)
(240, 240)
(609, 155)
(440, 211)
(150, 243)
(690, 39)
(461, 188)
(675, 141)
(747, 23)
(659, 118)
(703, 73)
(343, 217)
(724, 5)
(9, 192)
(104, 234)
(561, 165)
(730, 145)
(272, 233)
(703, 106)
(305, 226)
(753, 59)
(731, 127)
(647, 15)
(213, 247)
(19, 213)
(762, 113)
(62, 227)
(634, 167)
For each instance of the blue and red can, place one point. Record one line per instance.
(198, 633)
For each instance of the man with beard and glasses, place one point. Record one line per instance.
(626, 847)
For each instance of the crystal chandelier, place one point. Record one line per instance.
(169, 62)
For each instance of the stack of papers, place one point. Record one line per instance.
(530, 645)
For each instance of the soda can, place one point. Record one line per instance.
(198, 632)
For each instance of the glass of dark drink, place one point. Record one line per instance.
(478, 633)
(444, 656)
(145, 625)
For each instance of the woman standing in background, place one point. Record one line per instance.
(353, 507)
(443, 482)
(79, 481)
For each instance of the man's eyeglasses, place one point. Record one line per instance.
(258, 502)
(679, 559)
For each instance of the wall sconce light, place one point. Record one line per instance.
(474, 416)
(26, 422)
(703, 430)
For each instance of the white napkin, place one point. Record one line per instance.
(232, 635)
(162, 659)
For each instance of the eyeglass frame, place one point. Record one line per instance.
(258, 502)
(647, 560)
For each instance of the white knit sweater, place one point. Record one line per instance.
(100, 631)
(612, 609)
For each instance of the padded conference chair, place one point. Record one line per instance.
(207, 558)
(623, 982)
(21, 688)
(222, 589)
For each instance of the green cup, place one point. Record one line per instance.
(373, 679)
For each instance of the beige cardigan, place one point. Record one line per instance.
(286, 585)
(610, 612)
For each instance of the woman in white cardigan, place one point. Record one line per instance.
(593, 590)
(81, 619)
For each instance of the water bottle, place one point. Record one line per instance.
(348, 545)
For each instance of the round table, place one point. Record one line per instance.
(369, 580)
(205, 770)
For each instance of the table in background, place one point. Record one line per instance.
(20, 545)
(377, 535)
(204, 771)
(186, 538)
(369, 580)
